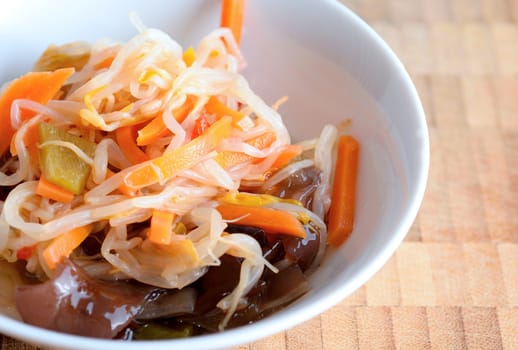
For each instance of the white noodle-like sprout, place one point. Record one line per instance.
(286, 172)
(19, 104)
(4, 229)
(24, 171)
(107, 152)
(324, 161)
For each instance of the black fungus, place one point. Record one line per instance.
(271, 293)
(300, 185)
(168, 303)
(302, 250)
(74, 303)
(217, 282)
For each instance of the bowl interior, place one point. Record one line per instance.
(332, 67)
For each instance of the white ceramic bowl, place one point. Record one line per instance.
(332, 66)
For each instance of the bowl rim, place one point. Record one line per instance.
(277, 322)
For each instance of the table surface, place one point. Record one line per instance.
(453, 283)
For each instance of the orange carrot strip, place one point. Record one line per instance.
(214, 106)
(229, 159)
(181, 158)
(156, 129)
(270, 220)
(126, 137)
(35, 86)
(161, 227)
(153, 131)
(52, 191)
(262, 141)
(200, 125)
(63, 245)
(232, 13)
(341, 211)
(289, 152)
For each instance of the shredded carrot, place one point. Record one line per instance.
(153, 131)
(229, 159)
(161, 227)
(262, 141)
(181, 158)
(215, 106)
(341, 211)
(156, 129)
(270, 220)
(288, 153)
(200, 126)
(232, 13)
(52, 191)
(63, 245)
(35, 86)
(126, 138)
(189, 56)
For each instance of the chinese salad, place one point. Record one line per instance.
(147, 192)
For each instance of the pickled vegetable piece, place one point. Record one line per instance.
(74, 55)
(60, 165)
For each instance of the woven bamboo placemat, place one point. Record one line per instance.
(453, 283)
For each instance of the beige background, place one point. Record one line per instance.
(453, 283)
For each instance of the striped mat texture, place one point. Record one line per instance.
(453, 283)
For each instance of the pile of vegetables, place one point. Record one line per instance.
(148, 193)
